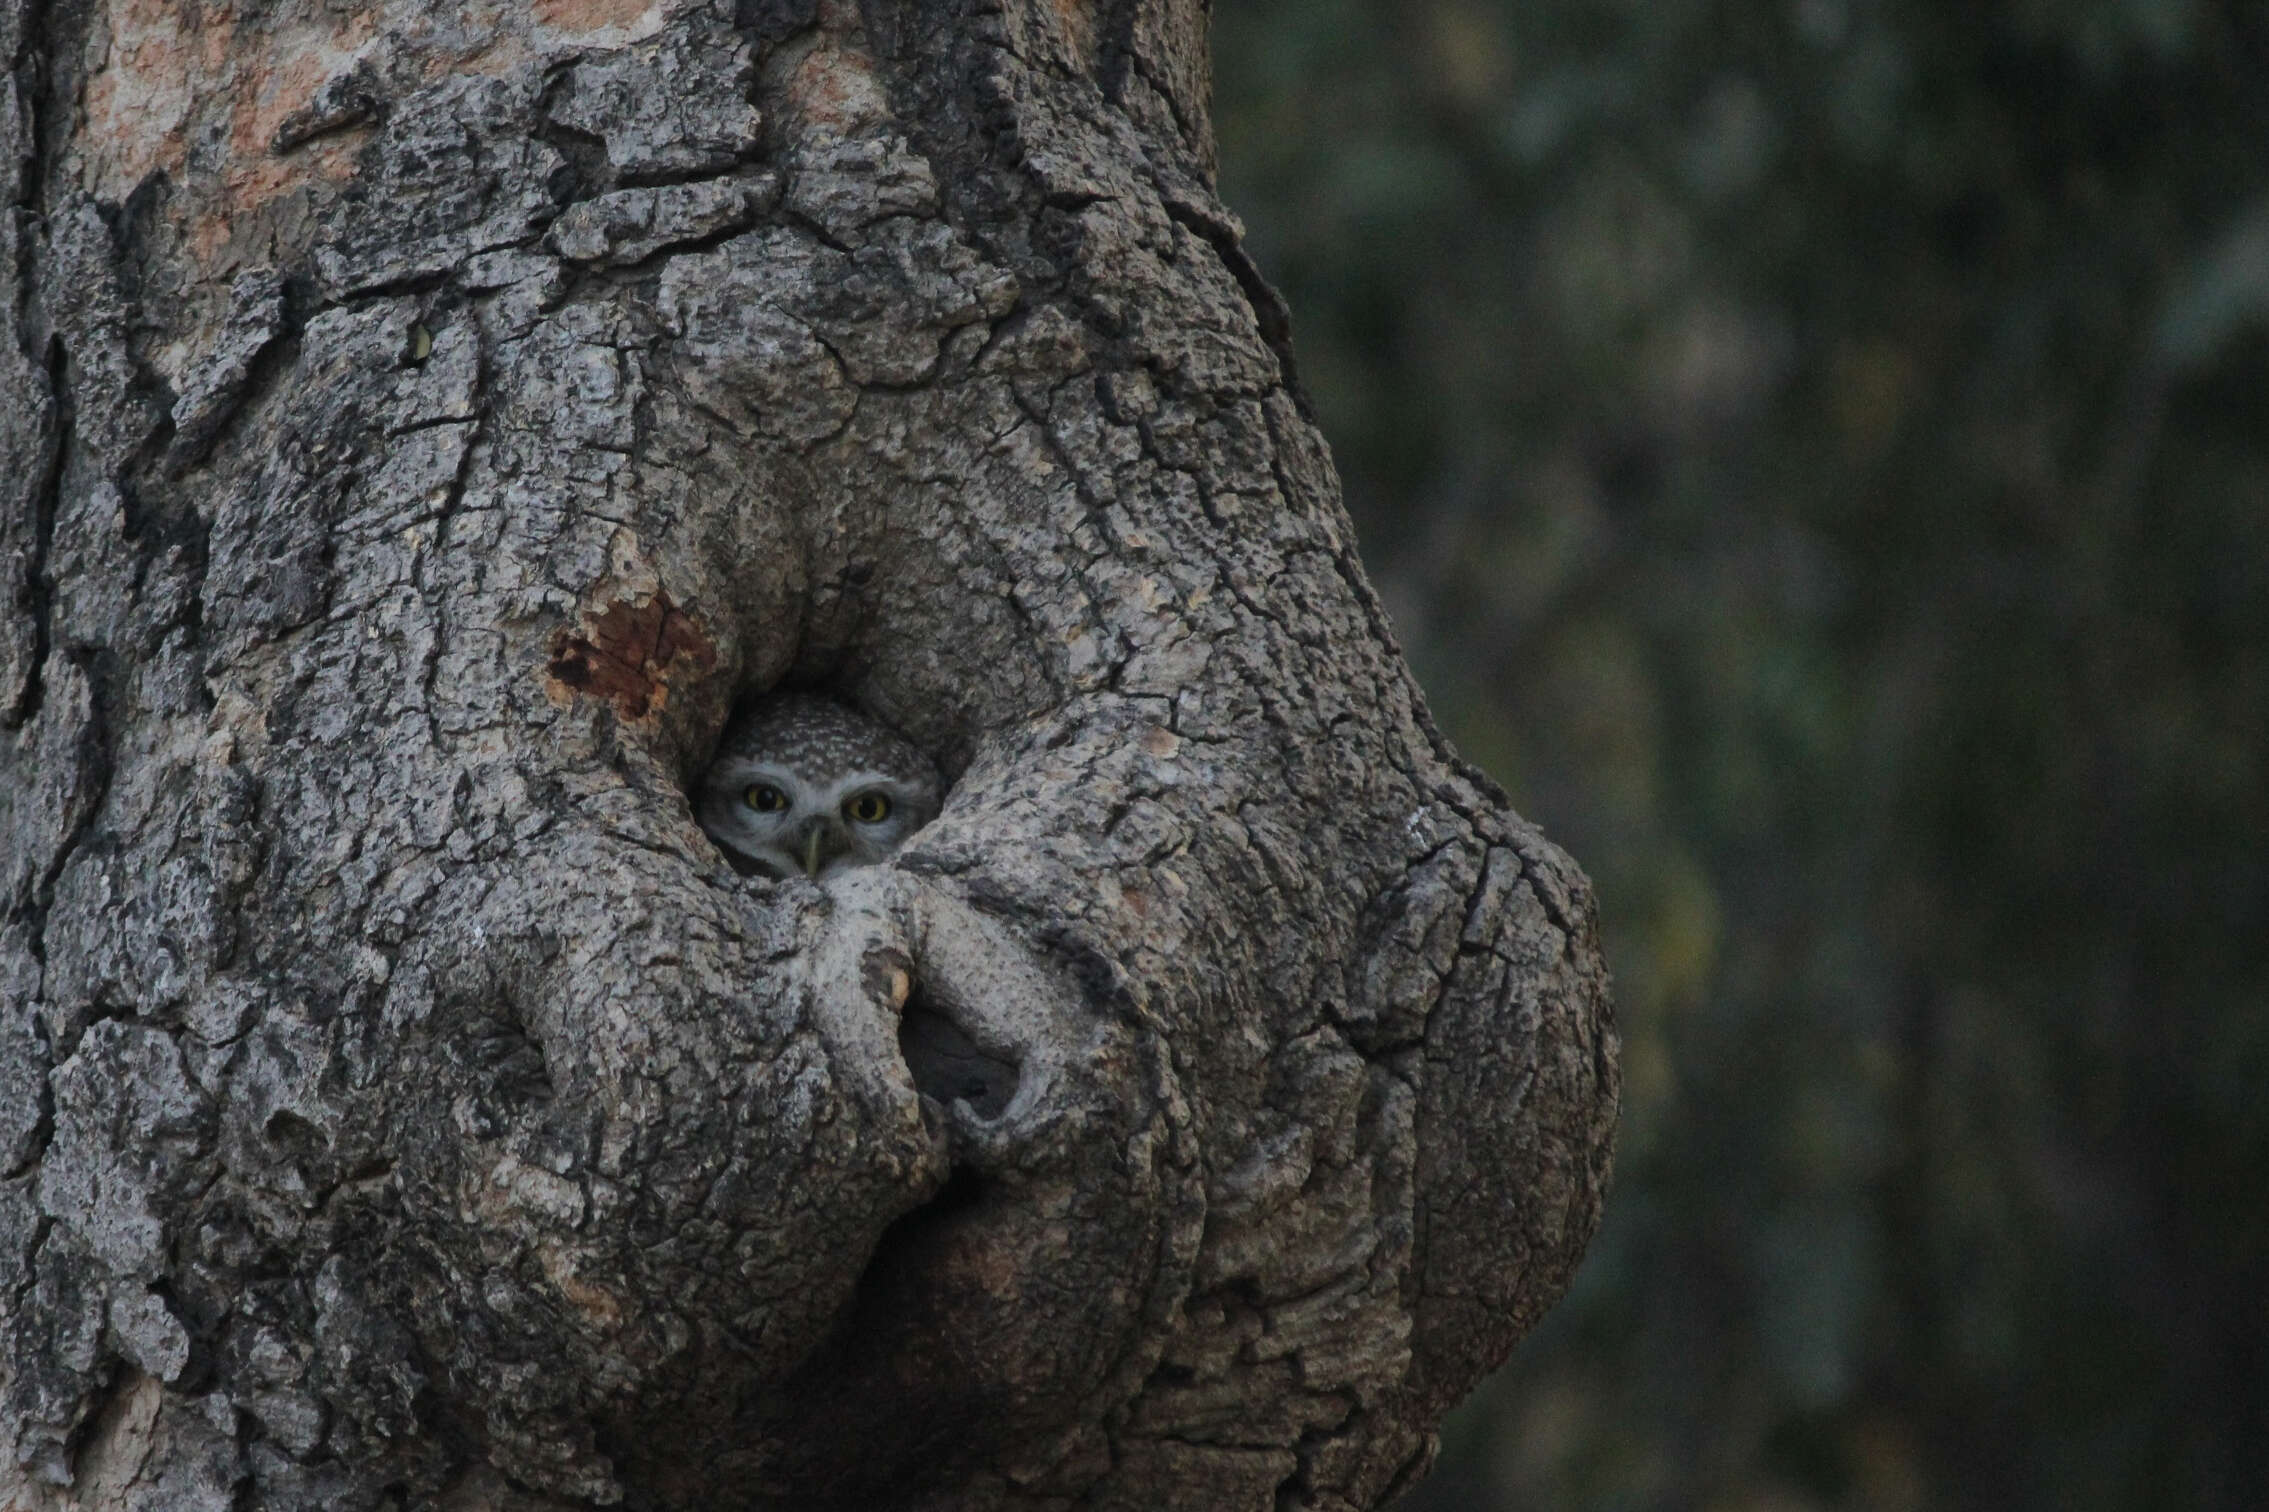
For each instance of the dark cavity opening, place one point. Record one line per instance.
(947, 1064)
(963, 1190)
(799, 739)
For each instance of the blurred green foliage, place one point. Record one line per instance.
(1817, 454)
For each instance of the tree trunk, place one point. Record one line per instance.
(424, 424)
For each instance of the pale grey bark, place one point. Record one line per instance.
(423, 424)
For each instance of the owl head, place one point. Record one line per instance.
(802, 786)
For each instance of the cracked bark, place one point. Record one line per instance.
(420, 430)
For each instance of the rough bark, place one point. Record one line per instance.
(423, 424)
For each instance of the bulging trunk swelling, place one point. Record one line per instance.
(423, 427)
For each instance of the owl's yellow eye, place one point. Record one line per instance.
(765, 798)
(868, 808)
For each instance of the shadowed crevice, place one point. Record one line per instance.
(947, 1064)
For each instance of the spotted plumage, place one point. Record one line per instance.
(802, 786)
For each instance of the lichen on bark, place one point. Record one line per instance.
(422, 429)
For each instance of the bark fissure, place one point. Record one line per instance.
(91, 753)
(39, 590)
(1270, 314)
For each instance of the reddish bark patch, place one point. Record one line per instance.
(1078, 20)
(835, 87)
(590, 15)
(628, 653)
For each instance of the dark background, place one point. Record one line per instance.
(1817, 456)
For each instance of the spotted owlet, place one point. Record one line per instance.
(802, 785)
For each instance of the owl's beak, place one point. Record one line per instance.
(824, 840)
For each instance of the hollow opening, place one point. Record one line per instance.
(803, 783)
(963, 1189)
(948, 1065)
